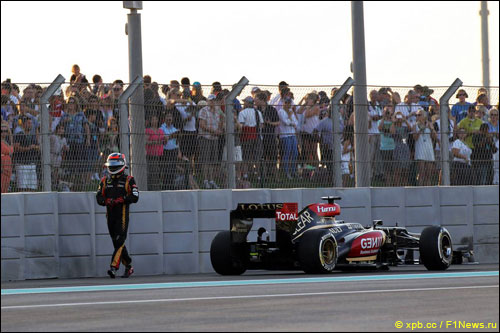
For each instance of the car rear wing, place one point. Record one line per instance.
(241, 219)
(265, 210)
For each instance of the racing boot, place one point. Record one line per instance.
(129, 270)
(112, 272)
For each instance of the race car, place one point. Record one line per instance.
(314, 241)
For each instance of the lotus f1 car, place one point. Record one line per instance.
(316, 242)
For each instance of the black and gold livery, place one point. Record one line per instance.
(117, 192)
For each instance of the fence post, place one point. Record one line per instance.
(231, 177)
(335, 116)
(45, 119)
(444, 108)
(124, 123)
(362, 163)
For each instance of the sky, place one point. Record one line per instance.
(303, 43)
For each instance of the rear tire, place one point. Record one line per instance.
(317, 251)
(436, 251)
(225, 257)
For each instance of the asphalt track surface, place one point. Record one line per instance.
(259, 301)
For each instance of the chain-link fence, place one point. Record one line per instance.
(283, 136)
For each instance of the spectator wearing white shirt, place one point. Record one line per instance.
(288, 139)
(282, 86)
(424, 133)
(209, 131)
(309, 108)
(251, 121)
(409, 107)
(188, 137)
(461, 167)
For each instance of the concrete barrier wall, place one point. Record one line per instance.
(49, 235)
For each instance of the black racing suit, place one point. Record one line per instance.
(117, 192)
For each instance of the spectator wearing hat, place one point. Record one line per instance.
(254, 92)
(251, 121)
(460, 109)
(210, 129)
(197, 93)
(426, 100)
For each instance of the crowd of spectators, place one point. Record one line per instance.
(276, 139)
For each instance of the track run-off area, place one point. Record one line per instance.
(399, 299)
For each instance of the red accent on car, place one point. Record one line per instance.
(325, 209)
(288, 212)
(367, 244)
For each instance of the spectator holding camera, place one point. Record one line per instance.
(400, 130)
(386, 141)
(424, 134)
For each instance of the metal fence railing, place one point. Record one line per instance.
(280, 138)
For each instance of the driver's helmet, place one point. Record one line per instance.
(116, 163)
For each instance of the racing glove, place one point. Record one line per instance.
(109, 202)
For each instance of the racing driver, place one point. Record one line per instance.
(117, 191)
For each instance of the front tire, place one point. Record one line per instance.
(436, 250)
(317, 251)
(225, 258)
